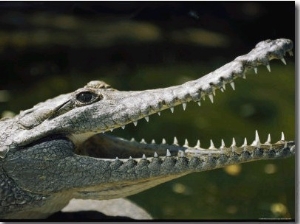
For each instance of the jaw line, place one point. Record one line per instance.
(110, 148)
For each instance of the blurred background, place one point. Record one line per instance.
(50, 48)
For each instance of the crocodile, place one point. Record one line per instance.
(61, 148)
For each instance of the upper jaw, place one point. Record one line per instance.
(137, 105)
(117, 109)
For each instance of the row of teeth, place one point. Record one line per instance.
(212, 149)
(256, 142)
(211, 95)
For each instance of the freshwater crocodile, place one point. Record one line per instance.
(60, 149)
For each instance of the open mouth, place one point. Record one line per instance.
(108, 147)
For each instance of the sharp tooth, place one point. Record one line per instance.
(291, 53)
(269, 139)
(268, 67)
(282, 136)
(233, 143)
(245, 145)
(143, 141)
(135, 123)
(222, 144)
(175, 141)
(117, 158)
(197, 144)
(184, 106)
(222, 89)
(283, 61)
(199, 103)
(158, 113)
(214, 91)
(245, 142)
(132, 140)
(285, 144)
(155, 155)
(232, 85)
(257, 136)
(255, 70)
(203, 97)
(130, 157)
(186, 143)
(153, 141)
(212, 146)
(123, 127)
(147, 119)
(211, 97)
(163, 141)
(144, 157)
(168, 153)
(256, 142)
(172, 109)
(111, 130)
(244, 75)
(224, 86)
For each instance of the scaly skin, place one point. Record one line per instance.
(58, 150)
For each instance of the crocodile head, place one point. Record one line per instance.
(85, 116)
(98, 108)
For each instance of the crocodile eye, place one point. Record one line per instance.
(87, 97)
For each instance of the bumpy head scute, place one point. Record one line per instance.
(97, 85)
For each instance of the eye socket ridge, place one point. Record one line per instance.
(87, 97)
